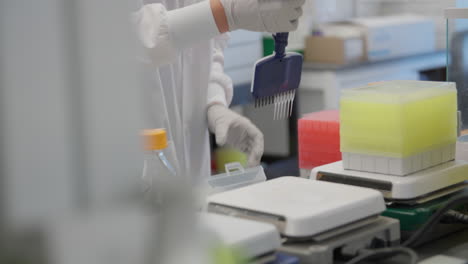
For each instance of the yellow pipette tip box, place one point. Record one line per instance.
(407, 125)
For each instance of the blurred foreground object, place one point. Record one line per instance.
(248, 241)
(69, 125)
(67, 142)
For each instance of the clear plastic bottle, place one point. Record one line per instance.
(171, 199)
(158, 168)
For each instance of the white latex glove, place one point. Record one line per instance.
(263, 15)
(236, 131)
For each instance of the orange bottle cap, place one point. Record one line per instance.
(155, 139)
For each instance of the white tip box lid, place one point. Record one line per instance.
(308, 207)
(252, 238)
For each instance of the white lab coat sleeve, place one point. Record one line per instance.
(220, 87)
(164, 33)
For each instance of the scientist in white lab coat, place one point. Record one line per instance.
(189, 91)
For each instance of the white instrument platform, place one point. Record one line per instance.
(445, 177)
(253, 239)
(300, 207)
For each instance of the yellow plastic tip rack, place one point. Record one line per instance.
(398, 119)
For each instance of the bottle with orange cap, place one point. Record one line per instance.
(170, 198)
(158, 168)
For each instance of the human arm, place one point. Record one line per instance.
(229, 127)
(164, 33)
(234, 130)
(220, 87)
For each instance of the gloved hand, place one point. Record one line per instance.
(263, 15)
(236, 131)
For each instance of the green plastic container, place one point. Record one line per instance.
(413, 217)
(225, 255)
(227, 155)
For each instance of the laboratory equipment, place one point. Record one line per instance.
(277, 77)
(82, 156)
(384, 232)
(62, 149)
(462, 148)
(301, 208)
(87, 237)
(388, 127)
(319, 140)
(416, 188)
(413, 217)
(315, 218)
(235, 177)
(256, 241)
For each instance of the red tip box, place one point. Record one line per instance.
(319, 139)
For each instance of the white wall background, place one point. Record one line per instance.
(330, 10)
